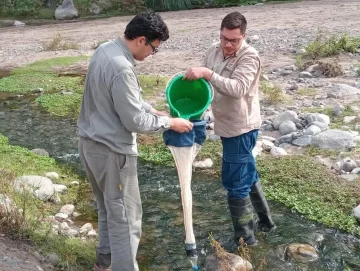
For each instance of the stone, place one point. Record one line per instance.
(18, 23)
(92, 234)
(228, 262)
(265, 77)
(41, 187)
(355, 170)
(287, 115)
(356, 212)
(354, 108)
(64, 227)
(269, 127)
(305, 75)
(269, 138)
(86, 228)
(286, 138)
(74, 183)
(61, 217)
(52, 175)
(67, 209)
(323, 126)
(301, 253)
(348, 165)
(303, 141)
(311, 117)
(41, 152)
(67, 11)
(267, 145)
(52, 259)
(299, 126)
(312, 130)
(338, 110)
(344, 91)
(287, 127)
(349, 119)
(60, 188)
(276, 151)
(333, 140)
(207, 163)
(252, 39)
(300, 51)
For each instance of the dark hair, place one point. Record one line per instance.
(149, 25)
(234, 20)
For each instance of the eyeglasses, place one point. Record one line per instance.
(154, 49)
(233, 42)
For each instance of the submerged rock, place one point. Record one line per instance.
(227, 262)
(301, 252)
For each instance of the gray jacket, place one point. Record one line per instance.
(112, 110)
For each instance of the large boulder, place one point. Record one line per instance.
(333, 140)
(67, 11)
(227, 262)
(41, 187)
(301, 253)
(284, 116)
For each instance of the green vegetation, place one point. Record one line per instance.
(324, 45)
(272, 93)
(307, 92)
(302, 184)
(19, 161)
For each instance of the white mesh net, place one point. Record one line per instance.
(184, 157)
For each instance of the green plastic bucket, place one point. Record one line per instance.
(188, 99)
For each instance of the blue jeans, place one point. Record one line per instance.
(238, 166)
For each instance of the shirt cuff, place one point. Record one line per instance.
(164, 122)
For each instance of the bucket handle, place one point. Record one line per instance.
(179, 73)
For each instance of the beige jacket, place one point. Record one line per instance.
(236, 105)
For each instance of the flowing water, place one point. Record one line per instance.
(162, 243)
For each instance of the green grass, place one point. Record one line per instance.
(302, 184)
(325, 46)
(273, 93)
(61, 105)
(307, 92)
(41, 74)
(18, 162)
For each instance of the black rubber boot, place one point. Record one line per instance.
(242, 216)
(261, 207)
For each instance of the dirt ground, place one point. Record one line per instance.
(282, 28)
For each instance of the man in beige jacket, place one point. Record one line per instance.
(233, 67)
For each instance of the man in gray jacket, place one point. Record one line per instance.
(112, 112)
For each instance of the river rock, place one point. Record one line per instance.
(267, 145)
(66, 11)
(86, 228)
(207, 163)
(287, 115)
(356, 212)
(60, 188)
(92, 234)
(323, 126)
(301, 252)
(41, 187)
(338, 109)
(67, 209)
(344, 91)
(302, 141)
(311, 117)
(277, 151)
(287, 127)
(312, 130)
(333, 140)
(305, 75)
(349, 119)
(227, 262)
(348, 165)
(61, 217)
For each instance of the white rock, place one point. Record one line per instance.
(18, 23)
(67, 209)
(356, 212)
(76, 214)
(287, 127)
(287, 115)
(61, 217)
(52, 175)
(333, 140)
(276, 151)
(305, 75)
(92, 234)
(86, 228)
(312, 130)
(64, 227)
(60, 188)
(41, 187)
(74, 183)
(355, 170)
(72, 233)
(267, 145)
(207, 163)
(269, 138)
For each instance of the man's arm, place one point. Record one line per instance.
(241, 79)
(131, 109)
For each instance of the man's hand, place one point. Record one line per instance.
(159, 113)
(197, 73)
(180, 125)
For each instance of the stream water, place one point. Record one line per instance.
(162, 246)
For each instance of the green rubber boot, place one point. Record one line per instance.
(261, 207)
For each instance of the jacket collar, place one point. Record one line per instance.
(126, 50)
